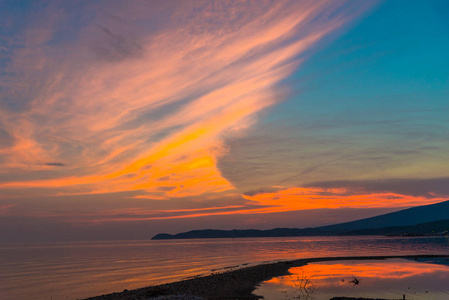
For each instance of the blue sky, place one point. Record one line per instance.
(380, 86)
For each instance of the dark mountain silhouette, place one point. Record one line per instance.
(406, 217)
(421, 220)
(432, 228)
(214, 233)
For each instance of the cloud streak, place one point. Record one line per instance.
(129, 107)
(302, 198)
(279, 200)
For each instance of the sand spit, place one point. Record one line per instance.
(233, 284)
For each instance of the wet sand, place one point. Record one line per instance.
(233, 284)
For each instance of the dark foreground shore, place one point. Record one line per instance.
(235, 284)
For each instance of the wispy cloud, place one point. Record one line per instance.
(302, 198)
(55, 164)
(139, 106)
(5, 209)
(278, 200)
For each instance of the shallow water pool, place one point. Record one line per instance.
(388, 279)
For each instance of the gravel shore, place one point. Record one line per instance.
(234, 284)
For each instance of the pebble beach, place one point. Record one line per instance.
(233, 284)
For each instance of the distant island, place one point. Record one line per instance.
(427, 220)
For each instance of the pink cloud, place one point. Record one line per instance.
(123, 108)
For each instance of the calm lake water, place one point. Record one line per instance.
(387, 279)
(81, 269)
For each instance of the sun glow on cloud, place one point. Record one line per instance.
(125, 108)
(284, 200)
(299, 198)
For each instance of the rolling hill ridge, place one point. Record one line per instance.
(421, 220)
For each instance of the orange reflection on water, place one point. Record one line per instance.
(386, 279)
(342, 273)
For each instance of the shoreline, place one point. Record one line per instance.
(232, 284)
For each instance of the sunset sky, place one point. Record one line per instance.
(123, 119)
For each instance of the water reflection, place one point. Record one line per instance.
(74, 270)
(389, 279)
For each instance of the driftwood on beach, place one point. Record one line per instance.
(233, 284)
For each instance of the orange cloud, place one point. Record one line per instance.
(154, 117)
(300, 198)
(288, 199)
